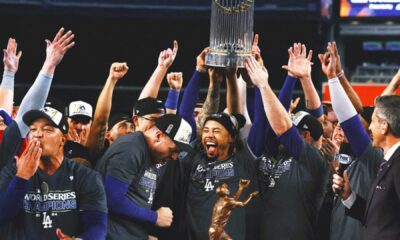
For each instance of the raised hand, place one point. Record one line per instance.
(329, 149)
(118, 70)
(255, 49)
(56, 49)
(28, 163)
(293, 104)
(167, 57)
(61, 235)
(175, 80)
(11, 58)
(258, 74)
(337, 56)
(299, 64)
(201, 60)
(328, 62)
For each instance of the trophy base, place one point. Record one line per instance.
(226, 59)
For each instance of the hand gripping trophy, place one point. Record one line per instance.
(231, 32)
(223, 208)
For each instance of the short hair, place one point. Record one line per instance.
(388, 109)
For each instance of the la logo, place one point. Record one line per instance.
(47, 221)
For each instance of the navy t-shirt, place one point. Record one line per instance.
(205, 176)
(292, 191)
(55, 201)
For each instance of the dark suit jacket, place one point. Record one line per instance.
(380, 213)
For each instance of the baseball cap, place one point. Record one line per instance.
(232, 123)
(119, 117)
(51, 114)
(80, 110)
(177, 129)
(306, 122)
(148, 105)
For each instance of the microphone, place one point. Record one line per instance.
(344, 157)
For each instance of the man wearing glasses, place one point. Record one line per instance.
(146, 111)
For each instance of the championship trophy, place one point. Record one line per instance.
(223, 208)
(231, 32)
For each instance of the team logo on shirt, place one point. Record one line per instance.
(49, 205)
(272, 169)
(212, 172)
(149, 182)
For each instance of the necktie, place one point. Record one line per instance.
(381, 166)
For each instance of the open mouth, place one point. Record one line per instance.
(211, 148)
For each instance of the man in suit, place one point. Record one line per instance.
(380, 212)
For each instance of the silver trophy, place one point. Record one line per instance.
(231, 32)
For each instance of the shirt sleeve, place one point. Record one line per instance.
(91, 195)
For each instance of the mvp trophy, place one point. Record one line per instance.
(231, 32)
(223, 209)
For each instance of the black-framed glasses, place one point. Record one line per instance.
(152, 119)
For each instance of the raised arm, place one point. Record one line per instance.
(277, 115)
(355, 100)
(211, 104)
(300, 67)
(11, 63)
(344, 109)
(96, 138)
(394, 84)
(175, 80)
(165, 60)
(232, 92)
(191, 93)
(36, 97)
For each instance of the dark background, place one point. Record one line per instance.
(135, 32)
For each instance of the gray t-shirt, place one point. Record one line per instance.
(128, 160)
(361, 172)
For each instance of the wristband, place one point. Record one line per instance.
(172, 99)
(340, 74)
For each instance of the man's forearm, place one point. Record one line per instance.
(152, 86)
(96, 138)
(7, 91)
(310, 94)
(118, 202)
(354, 98)
(35, 98)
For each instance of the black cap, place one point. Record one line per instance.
(119, 117)
(177, 129)
(52, 115)
(148, 105)
(306, 122)
(232, 123)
